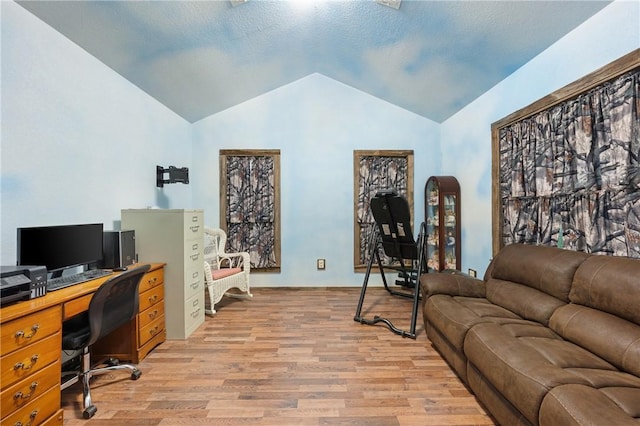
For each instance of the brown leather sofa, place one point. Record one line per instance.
(548, 337)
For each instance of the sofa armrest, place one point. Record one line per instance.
(452, 283)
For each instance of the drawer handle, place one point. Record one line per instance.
(152, 280)
(153, 315)
(194, 228)
(32, 417)
(23, 366)
(153, 331)
(34, 329)
(20, 395)
(195, 285)
(195, 256)
(153, 299)
(195, 313)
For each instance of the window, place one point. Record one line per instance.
(250, 205)
(374, 171)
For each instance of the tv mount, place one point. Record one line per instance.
(176, 175)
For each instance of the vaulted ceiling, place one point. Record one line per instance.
(202, 57)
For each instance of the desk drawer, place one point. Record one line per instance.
(150, 330)
(26, 361)
(36, 411)
(27, 390)
(29, 329)
(151, 279)
(76, 306)
(151, 314)
(150, 298)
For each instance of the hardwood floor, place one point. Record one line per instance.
(288, 357)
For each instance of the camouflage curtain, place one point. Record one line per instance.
(251, 208)
(377, 173)
(570, 175)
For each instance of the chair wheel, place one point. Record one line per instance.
(136, 375)
(89, 412)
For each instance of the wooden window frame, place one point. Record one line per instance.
(608, 72)
(357, 155)
(275, 153)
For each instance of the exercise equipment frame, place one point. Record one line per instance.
(402, 251)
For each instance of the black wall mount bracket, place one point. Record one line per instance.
(175, 175)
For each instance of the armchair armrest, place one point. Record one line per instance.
(236, 260)
(452, 283)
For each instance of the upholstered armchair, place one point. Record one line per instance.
(223, 271)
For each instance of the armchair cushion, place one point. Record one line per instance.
(217, 274)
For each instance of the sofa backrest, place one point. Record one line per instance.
(604, 314)
(532, 281)
(610, 284)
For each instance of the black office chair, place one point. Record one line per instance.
(114, 303)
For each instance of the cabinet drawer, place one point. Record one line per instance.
(193, 252)
(150, 280)
(150, 330)
(193, 225)
(26, 361)
(36, 411)
(27, 390)
(194, 311)
(150, 314)
(194, 282)
(30, 329)
(150, 298)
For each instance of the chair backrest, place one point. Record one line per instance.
(115, 302)
(214, 244)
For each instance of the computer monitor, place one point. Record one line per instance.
(60, 247)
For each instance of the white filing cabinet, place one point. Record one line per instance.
(175, 237)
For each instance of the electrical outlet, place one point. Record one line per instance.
(473, 273)
(320, 263)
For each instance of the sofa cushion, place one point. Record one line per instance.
(524, 361)
(582, 405)
(612, 338)
(548, 269)
(610, 284)
(454, 316)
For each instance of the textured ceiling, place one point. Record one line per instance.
(201, 57)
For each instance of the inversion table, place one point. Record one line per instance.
(394, 236)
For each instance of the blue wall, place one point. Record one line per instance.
(466, 137)
(79, 143)
(316, 123)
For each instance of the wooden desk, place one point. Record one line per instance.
(31, 345)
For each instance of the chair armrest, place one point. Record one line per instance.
(452, 283)
(237, 260)
(208, 276)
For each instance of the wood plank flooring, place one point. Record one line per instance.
(288, 357)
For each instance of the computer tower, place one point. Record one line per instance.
(118, 249)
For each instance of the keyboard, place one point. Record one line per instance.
(59, 283)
